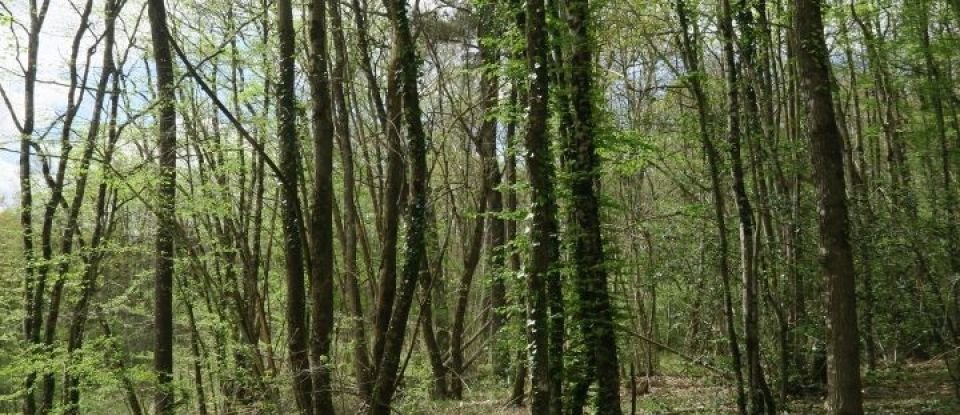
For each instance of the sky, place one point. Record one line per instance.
(53, 57)
(50, 97)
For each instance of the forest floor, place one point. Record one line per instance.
(915, 389)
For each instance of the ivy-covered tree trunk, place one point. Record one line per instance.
(544, 250)
(493, 198)
(518, 388)
(590, 273)
(393, 202)
(386, 382)
(844, 396)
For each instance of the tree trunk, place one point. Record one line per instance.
(493, 199)
(296, 312)
(107, 70)
(744, 213)
(32, 309)
(843, 361)
(759, 398)
(166, 220)
(350, 211)
(430, 276)
(518, 389)
(393, 205)
(596, 311)
(470, 261)
(692, 62)
(321, 215)
(386, 381)
(935, 87)
(543, 228)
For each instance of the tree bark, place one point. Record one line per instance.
(759, 398)
(350, 211)
(843, 359)
(290, 212)
(166, 220)
(392, 207)
(386, 381)
(596, 311)
(321, 215)
(544, 250)
(744, 213)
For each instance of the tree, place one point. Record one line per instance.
(691, 60)
(165, 210)
(756, 385)
(291, 213)
(26, 127)
(843, 359)
(544, 250)
(321, 215)
(407, 72)
(361, 213)
(595, 308)
(350, 211)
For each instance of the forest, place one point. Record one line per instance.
(545, 207)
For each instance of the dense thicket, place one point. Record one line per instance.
(329, 206)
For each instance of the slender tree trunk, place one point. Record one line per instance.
(38, 14)
(321, 215)
(166, 220)
(57, 187)
(866, 218)
(580, 374)
(759, 398)
(934, 88)
(545, 249)
(692, 61)
(91, 261)
(430, 276)
(197, 359)
(350, 212)
(392, 208)
(744, 214)
(493, 199)
(296, 312)
(107, 70)
(518, 390)
(889, 98)
(471, 259)
(387, 375)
